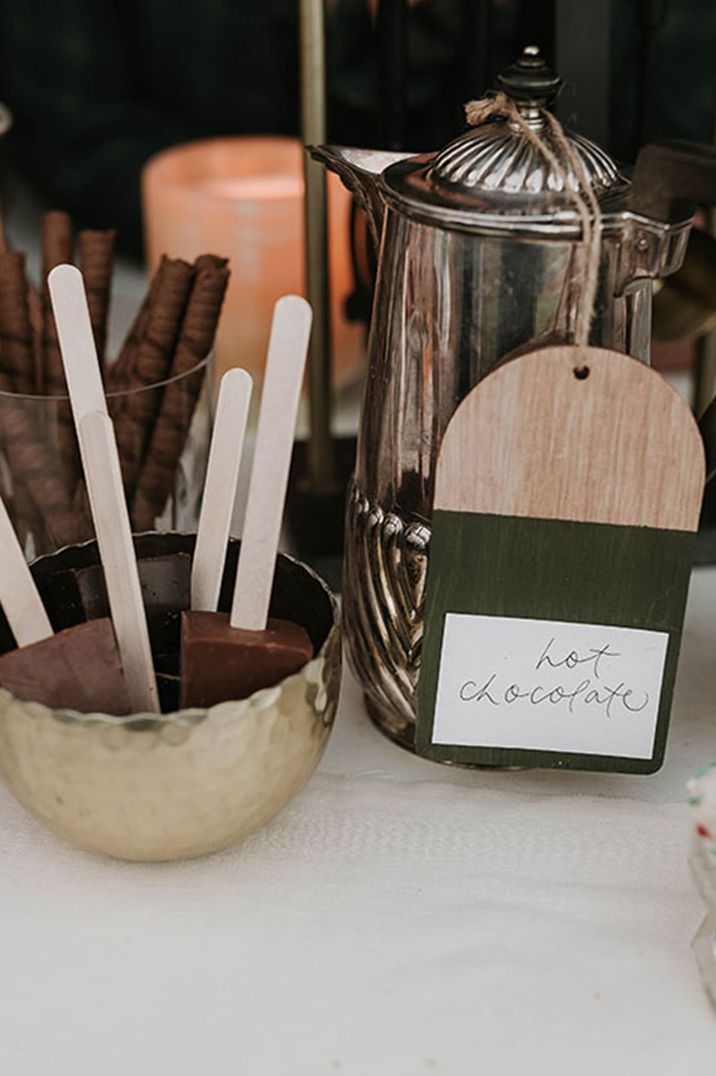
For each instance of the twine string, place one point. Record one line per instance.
(584, 198)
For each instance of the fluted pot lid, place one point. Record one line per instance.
(494, 170)
(495, 158)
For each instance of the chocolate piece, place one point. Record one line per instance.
(220, 662)
(77, 669)
(73, 595)
(62, 601)
(296, 595)
(165, 582)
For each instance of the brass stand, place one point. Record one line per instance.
(321, 467)
(313, 117)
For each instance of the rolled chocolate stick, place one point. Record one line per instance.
(120, 372)
(17, 360)
(57, 244)
(152, 365)
(56, 250)
(170, 431)
(16, 348)
(96, 257)
(34, 312)
(33, 464)
(211, 261)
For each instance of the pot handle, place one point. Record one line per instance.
(707, 426)
(671, 178)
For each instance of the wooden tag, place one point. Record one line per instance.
(568, 488)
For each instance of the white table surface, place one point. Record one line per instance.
(398, 918)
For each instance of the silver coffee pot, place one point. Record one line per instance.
(478, 247)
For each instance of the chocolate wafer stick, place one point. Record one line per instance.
(57, 246)
(34, 312)
(16, 351)
(96, 257)
(180, 397)
(17, 355)
(210, 261)
(120, 372)
(152, 365)
(38, 469)
(56, 250)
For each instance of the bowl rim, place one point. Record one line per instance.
(190, 716)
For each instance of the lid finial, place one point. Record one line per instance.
(529, 79)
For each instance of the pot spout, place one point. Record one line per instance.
(360, 170)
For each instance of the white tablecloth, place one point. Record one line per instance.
(399, 918)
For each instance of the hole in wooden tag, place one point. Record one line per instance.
(580, 372)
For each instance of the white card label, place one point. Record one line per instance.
(544, 685)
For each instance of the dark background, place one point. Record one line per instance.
(97, 86)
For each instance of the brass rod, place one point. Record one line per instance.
(313, 124)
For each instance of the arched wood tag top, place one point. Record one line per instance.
(577, 434)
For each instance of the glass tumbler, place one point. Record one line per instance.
(162, 431)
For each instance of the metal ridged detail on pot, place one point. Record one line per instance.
(385, 569)
(496, 157)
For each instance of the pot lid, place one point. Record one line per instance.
(494, 169)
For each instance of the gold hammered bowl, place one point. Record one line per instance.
(190, 781)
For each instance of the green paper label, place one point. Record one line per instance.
(550, 643)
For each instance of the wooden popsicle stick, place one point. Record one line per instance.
(288, 345)
(114, 537)
(74, 332)
(222, 475)
(100, 461)
(18, 594)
